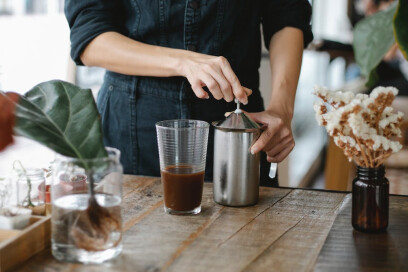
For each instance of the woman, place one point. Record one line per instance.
(188, 59)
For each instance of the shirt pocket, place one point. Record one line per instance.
(114, 103)
(147, 20)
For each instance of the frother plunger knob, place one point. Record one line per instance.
(238, 110)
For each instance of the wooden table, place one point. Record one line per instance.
(288, 230)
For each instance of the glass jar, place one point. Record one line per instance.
(370, 200)
(29, 184)
(86, 199)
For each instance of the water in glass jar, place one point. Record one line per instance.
(76, 237)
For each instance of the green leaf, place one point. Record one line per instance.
(372, 78)
(373, 37)
(401, 27)
(63, 117)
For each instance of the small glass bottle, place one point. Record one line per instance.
(30, 193)
(370, 200)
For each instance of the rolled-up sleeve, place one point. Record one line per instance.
(277, 14)
(89, 18)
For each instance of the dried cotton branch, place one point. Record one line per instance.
(361, 125)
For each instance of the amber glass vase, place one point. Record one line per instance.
(370, 200)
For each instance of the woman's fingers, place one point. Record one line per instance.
(198, 90)
(277, 139)
(205, 79)
(276, 146)
(212, 85)
(247, 91)
(217, 75)
(281, 155)
(229, 74)
(267, 138)
(264, 139)
(279, 148)
(223, 84)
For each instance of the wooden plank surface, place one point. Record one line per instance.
(348, 250)
(25, 243)
(285, 231)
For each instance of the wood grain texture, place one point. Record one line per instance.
(233, 239)
(298, 247)
(29, 241)
(348, 250)
(285, 231)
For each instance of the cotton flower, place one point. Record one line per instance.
(362, 125)
(320, 110)
(361, 97)
(382, 143)
(383, 90)
(359, 127)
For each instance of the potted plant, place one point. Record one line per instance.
(65, 118)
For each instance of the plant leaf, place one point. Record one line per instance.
(373, 37)
(63, 117)
(401, 27)
(372, 79)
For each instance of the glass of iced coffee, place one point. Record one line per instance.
(182, 150)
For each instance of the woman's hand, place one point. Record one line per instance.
(277, 139)
(120, 54)
(285, 50)
(216, 74)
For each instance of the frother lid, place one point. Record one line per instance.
(237, 121)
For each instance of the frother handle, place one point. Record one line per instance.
(272, 170)
(238, 110)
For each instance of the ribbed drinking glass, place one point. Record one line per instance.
(182, 150)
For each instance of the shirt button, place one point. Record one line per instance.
(191, 47)
(194, 4)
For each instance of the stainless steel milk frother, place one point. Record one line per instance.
(236, 170)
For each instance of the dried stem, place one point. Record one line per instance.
(361, 149)
(358, 161)
(370, 158)
(382, 158)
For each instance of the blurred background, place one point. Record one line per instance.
(35, 46)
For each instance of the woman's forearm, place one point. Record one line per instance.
(285, 50)
(121, 54)
(118, 53)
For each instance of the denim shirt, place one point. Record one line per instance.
(130, 105)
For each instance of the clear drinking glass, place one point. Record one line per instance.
(86, 208)
(182, 150)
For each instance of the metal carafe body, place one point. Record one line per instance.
(236, 170)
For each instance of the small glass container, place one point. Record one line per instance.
(182, 151)
(86, 200)
(370, 200)
(28, 187)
